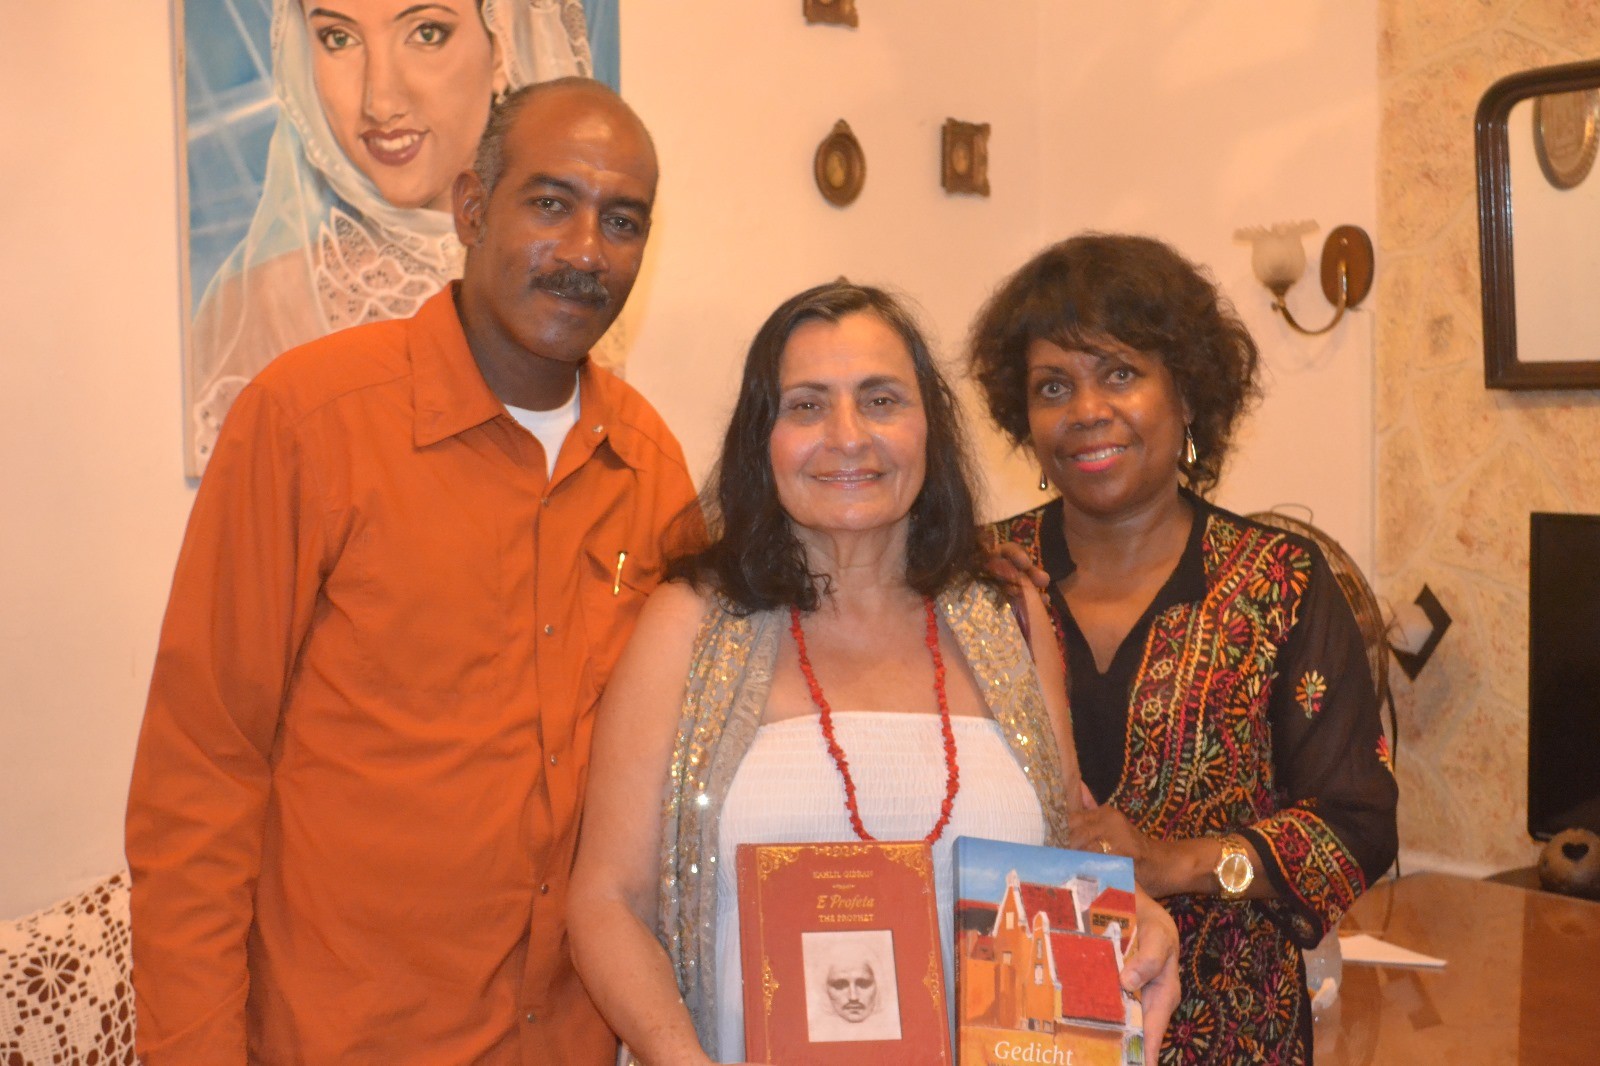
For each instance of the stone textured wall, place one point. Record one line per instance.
(1461, 467)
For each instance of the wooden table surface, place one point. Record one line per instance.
(1521, 983)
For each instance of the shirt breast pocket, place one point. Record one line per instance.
(616, 582)
(427, 608)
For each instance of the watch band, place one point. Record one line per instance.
(1234, 870)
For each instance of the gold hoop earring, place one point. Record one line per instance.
(1189, 453)
(1044, 482)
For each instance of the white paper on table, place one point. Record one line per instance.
(1361, 948)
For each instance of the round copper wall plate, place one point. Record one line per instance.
(840, 166)
(1351, 244)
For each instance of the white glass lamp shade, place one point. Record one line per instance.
(1277, 256)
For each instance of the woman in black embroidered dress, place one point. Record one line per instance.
(1222, 705)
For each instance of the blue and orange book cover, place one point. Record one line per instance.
(1040, 938)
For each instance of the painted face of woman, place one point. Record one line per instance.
(406, 88)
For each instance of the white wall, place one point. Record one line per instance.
(1190, 120)
(738, 106)
(92, 488)
(1180, 119)
(1185, 121)
(1556, 260)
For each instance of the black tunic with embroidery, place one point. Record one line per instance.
(1241, 702)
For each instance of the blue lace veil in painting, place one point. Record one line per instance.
(323, 249)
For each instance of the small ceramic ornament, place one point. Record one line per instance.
(1570, 864)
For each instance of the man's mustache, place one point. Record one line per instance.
(571, 283)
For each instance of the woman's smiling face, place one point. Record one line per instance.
(406, 88)
(1107, 424)
(849, 449)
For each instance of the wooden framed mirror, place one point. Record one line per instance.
(1539, 228)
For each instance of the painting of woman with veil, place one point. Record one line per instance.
(322, 138)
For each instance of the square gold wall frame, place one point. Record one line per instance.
(832, 12)
(964, 166)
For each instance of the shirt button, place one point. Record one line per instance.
(552, 760)
(544, 889)
(549, 630)
(531, 1017)
(544, 501)
(599, 429)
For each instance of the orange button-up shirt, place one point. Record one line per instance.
(356, 793)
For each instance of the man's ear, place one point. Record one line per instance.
(469, 200)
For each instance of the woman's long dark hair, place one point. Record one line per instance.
(754, 560)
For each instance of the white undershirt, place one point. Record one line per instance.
(550, 427)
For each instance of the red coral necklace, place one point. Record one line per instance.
(952, 774)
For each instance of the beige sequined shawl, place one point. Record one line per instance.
(729, 677)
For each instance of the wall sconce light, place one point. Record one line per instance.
(1279, 259)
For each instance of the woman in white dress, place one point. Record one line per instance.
(381, 104)
(833, 666)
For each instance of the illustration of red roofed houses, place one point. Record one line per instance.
(1049, 965)
(1057, 903)
(1086, 969)
(975, 915)
(1112, 905)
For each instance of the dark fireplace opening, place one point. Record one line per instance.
(1563, 674)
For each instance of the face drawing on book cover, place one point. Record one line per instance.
(852, 989)
(851, 982)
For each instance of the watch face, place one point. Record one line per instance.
(1234, 872)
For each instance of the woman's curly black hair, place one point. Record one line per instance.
(1138, 291)
(754, 559)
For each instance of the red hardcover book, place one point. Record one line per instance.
(1040, 939)
(840, 950)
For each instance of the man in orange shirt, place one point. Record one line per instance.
(412, 563)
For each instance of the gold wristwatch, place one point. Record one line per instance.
(1234, 872)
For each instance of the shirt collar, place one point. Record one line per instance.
(450, 395)
(597, 411)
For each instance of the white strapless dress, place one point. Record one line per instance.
(787, 789)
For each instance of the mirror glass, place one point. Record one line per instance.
(1555, 211)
